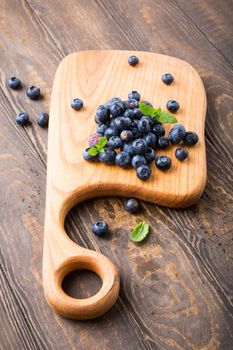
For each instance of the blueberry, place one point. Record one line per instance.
(100, 228)
(163, 162)
(129, 113)
(147, 103)
(134, 95)
(158, 130)
(139, 146)
(127, 122)
(14, 83)
(143, 172)
(119, 123)
(167, 78)
(43, 120)
(181, 153)
(138, 161)
(101, 128)
(102, 115)
(136, 134)
(123, 159)
(33, 92)
(152, 121)
(162, 142)
(109, 132)
(150, 139)
(94, 139)
(115, 142)
(176, 134)
(77, 104)
(144, 126)
(22, 118)
(133, 60)
(149, 155)
(132, 103)
(107, 156)
(128, 148)
(133, 206)
(173, 106)
(126, 136)
(116, 108)
(137, 114)
(190, 138)
(88, 157)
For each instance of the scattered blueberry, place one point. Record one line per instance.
(109, 132)
(101, 128)
(173, 106)
(129, 113)
(139, 146)
(43, 120)
(102, 115)
(144, 126)
(100, 228)
(150, 155)
(123, 159)
(163, 162)
(94, 139)
(33, 92)
(22, 118)
(119, 123)
(150, 139)
(138, 161)
(132, 103)
(176, 134)
(151, 121)
(128, 148)
(143, 172)
(181, 153)
(115, 142)
(167, 78)
(158, 130)
(77, 104)
(116, 108)
(137, 114)
(126, 136)
(14, 83)
(134, 95)
(88, 157)
(107, 156)
(190, 138)
(133, 206)
(133, 60)
(162, 142)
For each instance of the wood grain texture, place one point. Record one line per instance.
(34, 38)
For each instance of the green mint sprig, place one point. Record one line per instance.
(158, 114)
(99, 147)
(139, 232)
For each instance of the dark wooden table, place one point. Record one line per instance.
(176, 289)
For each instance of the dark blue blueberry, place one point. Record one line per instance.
(115, 142)
(162, 142)
(119, 123)
(150, 155)
(101, 128)
(111, 123)
(133, 60)
(139, 146)
(181, 153)
(176, 134)
(123, 159)
(173, 106)
(137, 114)
(33, 92)
(152, 121)
(127, 122)
(133, 206)
(147, 103)
(190, 138)
(116, 108)
(163, 162)
(14, 83)
(77, 104)
(88, 157)
(129, 113)
(143, 172)
(22, 118)
(128, 148)
(136, 134)
(43, 120)
(107, 156)
(112, 100)
(126, 136)
(158, 130)
(100, 228)
(138, 161)
(132, 103)
(109, 132)
(134, 95)
(167, 78)
(150, 139)
(102, 115)
(144, 126)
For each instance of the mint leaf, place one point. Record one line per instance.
(158, 114)
(93, 151)
(139, 232)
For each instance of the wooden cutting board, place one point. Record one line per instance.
(95, 77)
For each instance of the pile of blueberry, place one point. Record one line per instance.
(34, 93)
(133, 138)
